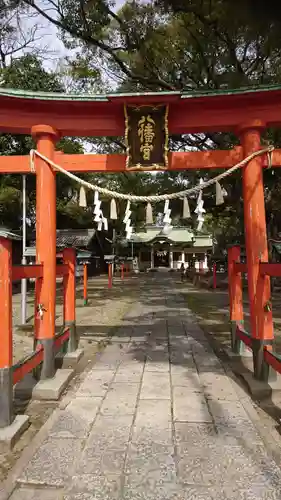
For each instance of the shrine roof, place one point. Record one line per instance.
(75, 238)
(175, 235)
(8, 234)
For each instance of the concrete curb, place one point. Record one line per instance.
(10, 435)
(49, 389)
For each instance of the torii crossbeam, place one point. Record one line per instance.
(115, 163)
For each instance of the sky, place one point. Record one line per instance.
(55, 50)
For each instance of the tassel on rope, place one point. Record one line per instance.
(99, 217)
(127, 212)
(167, 219)
(128, 206)
(127, 221)
(186, 209)
(200, 211)
(113, 210)
(97, 209)
(149, 214)
(82, 198)
(219, 194)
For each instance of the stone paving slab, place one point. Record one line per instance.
(192, 433)
(121, 399)
(76, 420)
(96, 384)
(110, 433)
(243, 432)
(217, 464)
(53, 463)
(190, 406)
(218, 387)
(157, 417)
(148, 463)
(155, 385)
(187, 379)
(228, 412)
(147, 433)
(99, 487)
(131, 376)
(101, 462)
(157, 366)
(36, 493)
(154, 413)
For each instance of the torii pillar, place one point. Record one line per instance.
(256, 243)
(46, 137)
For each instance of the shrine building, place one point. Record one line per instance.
(156, 248)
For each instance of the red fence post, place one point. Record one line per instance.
(235, 297)
(215, 276)
(85, 284)
(69, 297)
(256, 244)
(109, 275)
(6, 350)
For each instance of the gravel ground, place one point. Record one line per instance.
(105, 309)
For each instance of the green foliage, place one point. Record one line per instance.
(28, 73)
(10, 205)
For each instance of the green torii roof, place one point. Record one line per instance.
(27, 94)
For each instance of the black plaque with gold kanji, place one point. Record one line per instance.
(147, 136)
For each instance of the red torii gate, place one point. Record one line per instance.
(50, 116)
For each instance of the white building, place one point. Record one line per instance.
(154, 248)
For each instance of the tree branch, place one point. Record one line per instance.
(92, 41)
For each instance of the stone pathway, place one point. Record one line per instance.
(156, 417)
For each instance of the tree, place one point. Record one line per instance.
(208, 45)
(259, 10)
(16, 34)
(28, 73)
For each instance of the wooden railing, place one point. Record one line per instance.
(10, 373)
(271, 361)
